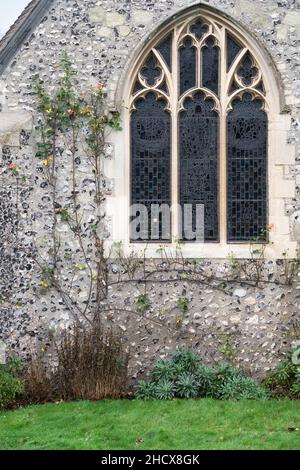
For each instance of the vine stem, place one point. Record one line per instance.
(54, 197)
(78, 224)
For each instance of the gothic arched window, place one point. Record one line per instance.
(198, 133)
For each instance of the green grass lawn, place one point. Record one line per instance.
(190, 425)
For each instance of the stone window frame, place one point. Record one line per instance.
(280, 154)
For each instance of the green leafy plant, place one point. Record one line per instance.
(165, 390)
(183, 376)
(185, 360)
(64, 214)
(242, 388)
(11, 386)
(228, 349)
(183, 305)
(296, 384)
(284, 380)
(14, 366)
(163, 370)
(186, 386)
(146, 390)
(285, 374)
(224, 373)
(206, 379)
(114, 122)
(143, 303)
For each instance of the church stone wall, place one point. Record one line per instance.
(100, 37)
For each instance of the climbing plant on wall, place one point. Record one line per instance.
(73, 124)
(72, 131)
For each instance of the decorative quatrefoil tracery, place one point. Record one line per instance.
(198, 63)
(199, 29)
(151, 71)
(247, 71)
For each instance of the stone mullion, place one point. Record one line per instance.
(223, 142)
(175, 167)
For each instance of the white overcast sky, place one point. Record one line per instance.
(9, 12)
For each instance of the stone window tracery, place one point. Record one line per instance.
(199, 131)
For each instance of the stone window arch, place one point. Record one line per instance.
(203, 86)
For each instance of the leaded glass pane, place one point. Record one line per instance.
(199, 29)
(164, 87)
(150, 158)
(198, 142)
(151, 71)
(246, 170)
(187, 60)
(247, 70)
(261, 87)
(197, 57)
(210, 66)
(137, 87)
(234, 87)
(165, 49)
(233, 48)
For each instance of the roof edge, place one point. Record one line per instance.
(21, 29)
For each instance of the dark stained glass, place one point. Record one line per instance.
(233, 48)
(199, 29)
(165, 49)
(150, 71)
(261, 87)
(234, 87)
(198, 143)
(210, 66)
(137, 87)
(187, 60)
(164, 87)
(150, 158)
(247, 71)
(246, 170)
